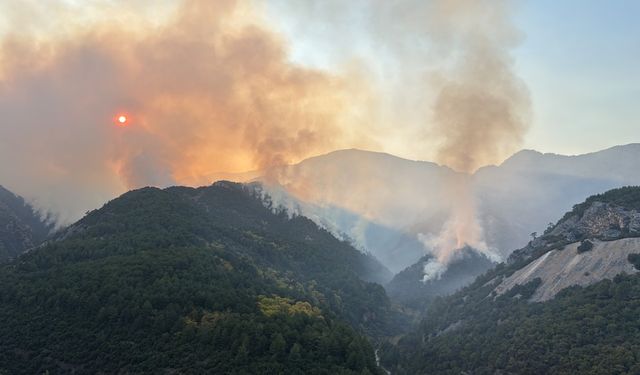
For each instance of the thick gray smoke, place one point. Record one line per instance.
(481, 113)
(446, 70)
(213, 87)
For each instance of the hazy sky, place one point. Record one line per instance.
(579, 59)
(238, 85)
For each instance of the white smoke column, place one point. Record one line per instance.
(445, 71)
(480, 114)
(462, 229)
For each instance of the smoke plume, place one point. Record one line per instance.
(480, 114)
(216, 86)
(207, 88)
(446, 69)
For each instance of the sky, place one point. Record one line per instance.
(240, 85)
(579, 59)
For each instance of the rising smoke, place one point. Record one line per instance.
(208, 88)
(212, 87)
(452, 57)
(480, 114)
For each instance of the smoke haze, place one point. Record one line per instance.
(216, 87)
(208, 89)
(449, 78)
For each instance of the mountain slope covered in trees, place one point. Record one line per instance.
(188, 280)
(356, 192)
(593, 329)
(409, 289)
(21, 227)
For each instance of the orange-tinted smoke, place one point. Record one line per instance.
(208, 89)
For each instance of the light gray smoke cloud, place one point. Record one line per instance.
(446, 68)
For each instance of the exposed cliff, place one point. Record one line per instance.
(559, 269)
(590, 243)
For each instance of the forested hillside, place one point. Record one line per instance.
(188, 280)
(20, 225)
(594, 329)
(409, 289)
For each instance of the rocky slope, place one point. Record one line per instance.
(609, 216)
(562, 268)
(590, 243)
(569, 302)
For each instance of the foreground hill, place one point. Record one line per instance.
(188, 280)
(524, 317)
(21, 227)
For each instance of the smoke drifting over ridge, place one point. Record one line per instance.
(480, 114)
(453, 58)
(213, 87)
(208, 89)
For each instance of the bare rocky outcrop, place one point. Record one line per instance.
(598, 220)
(589, 244)
(559, 269)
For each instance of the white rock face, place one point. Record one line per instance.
(559, 269)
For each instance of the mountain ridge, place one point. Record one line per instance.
(581, 316)
(192, 280)
(21, 226)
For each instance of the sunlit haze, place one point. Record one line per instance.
(235, 86)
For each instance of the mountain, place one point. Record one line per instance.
(408, 288)
(21, 227)
(383, 203)
(568, 302)
(592, 242)
(379, 201)
(186, 280)
(530, 189)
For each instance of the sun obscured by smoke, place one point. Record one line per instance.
(209, 89)
(210, 86)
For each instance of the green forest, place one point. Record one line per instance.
(192, 281)
(583, 330)
(215, 280)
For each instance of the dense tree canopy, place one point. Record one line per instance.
(21, 227)
(191, 281)
(583, 330)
